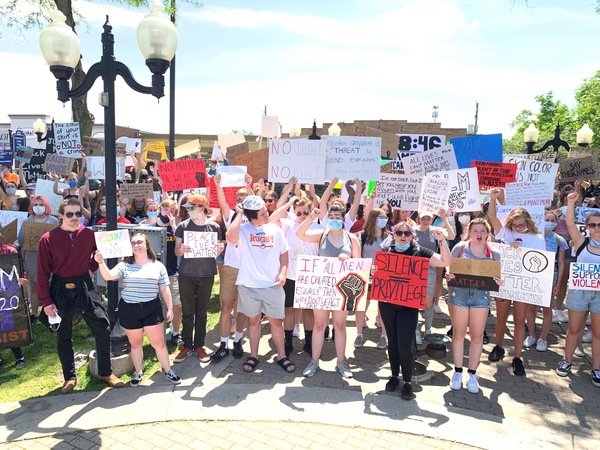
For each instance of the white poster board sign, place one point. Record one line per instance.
(420, 142)
(67, 139)
(132, 145)
(584, 276)
(202, 243)
(228, 140)
(233, 176)
(301, 158)
(528, 193)
(113, 244)
(269, 126)
(438, 160)
(45, 188)
(434, 194)
(332, 285)
(400, 191)
(532, 170)
(537, 214)
(97, 166)
(463, 193)
(527, 273)
(216, 151)
(349, 191)
(350, 157)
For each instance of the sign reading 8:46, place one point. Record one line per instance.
(420, 142)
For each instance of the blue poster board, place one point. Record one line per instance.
(483, 147)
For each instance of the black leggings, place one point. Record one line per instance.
(400, 324)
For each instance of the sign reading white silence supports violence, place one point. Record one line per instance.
(350, 157)
(332, 285)
(300, 158)
(584, 276)
(202, 243)
(400, 191)
(527, 273)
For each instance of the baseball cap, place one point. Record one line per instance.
(253, 203)
(425, 214)
(195, 200)
(30, 186)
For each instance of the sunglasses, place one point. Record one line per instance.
(70, 214)
(593, 225)
(137, 243)
(269, 200)
(403, 233)
(304, 213)
(521, 225)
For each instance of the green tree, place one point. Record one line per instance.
(587, 107)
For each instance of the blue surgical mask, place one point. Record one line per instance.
(152, 214)
(550, 225)
(381, 223)
(11, 191)
(400, 247)
(73, 183)
(335, 224)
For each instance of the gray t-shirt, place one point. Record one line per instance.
(198, 267)
(426, 239)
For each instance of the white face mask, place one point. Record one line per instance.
(39, 210)
(464, 219)
(102, 208)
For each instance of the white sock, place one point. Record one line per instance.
(225, 340)
(238, 335)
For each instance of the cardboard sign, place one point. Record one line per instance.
(113, 244)
(10, 231)
(584, 276)
(330, 284)
(527, 273)
(24, 154)
(478, 147)
(437, 160)
(92, 146)
(530, 194)
(11, 222)
(67, 139)
(420, 142)
(400, 279)
(580, 152)
(494, 174)
(434, 194)
(536, 212)
(257, 163)
(389, 142)
(32, 232)
(269, 127)
(44, 188)
(155, 151)
(228, 140)
(400, 191)
(59, 164)
(463, 187)
(187, 149)
(300, 158)
(183, 174)
(574, 169)
(350, 157)
(136, 190)
(475, 274)
(202, 243)
(233, 176)
(237, 150)
(15, 327)
(120, 149)
(386, 167)
(97, 166)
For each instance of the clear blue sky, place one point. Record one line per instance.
(332, 61)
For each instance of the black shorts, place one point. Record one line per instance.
(289, 288)
(133, 316)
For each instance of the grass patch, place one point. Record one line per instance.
(43, 373)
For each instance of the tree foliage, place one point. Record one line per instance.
(587, 108)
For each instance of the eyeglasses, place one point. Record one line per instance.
(520, 225)
(593, 225)
(403, 233)
(137, 243)
(303, 213)
(269, 200)
(70, 214)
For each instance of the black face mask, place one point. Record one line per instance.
(143, 177)
(129, 181)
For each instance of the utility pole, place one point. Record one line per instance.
(435, 113)
(476, 117)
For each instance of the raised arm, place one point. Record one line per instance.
(357, 196)
(443, 258)
(448, 229)
(22, 179)
(325, 197)
(576, 236)
(492, 216)
(303, 231)
(223, 206)
(233, 233)
(286, 191)
(281, 212)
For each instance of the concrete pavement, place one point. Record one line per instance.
(220, 406)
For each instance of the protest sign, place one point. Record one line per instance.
(10, 231)
(32, 232)
(389, 142)
(584, 276)
(475, 274)
(527, 273)
(67, 139)
(420, 142)
(330, 284)
(35, 168)
(155, 151)
(92, 146)
(217, 153)
(582, 213)
(132, 145)
(527, 193)
(437, 160)
(120, 149)
(136, 190)
(574, 169)
(532, 170)
(350, 157)
(202, 243)
(11, 222)
(494, 174)
(6, 156)
(536, 212)
(386, 167)
(400, 279)
(183, 174)
(113, 244)
(44, 188)
(580, 152)
(257, 163)
(477, 147)
(213, 200)
(24, 154)
(301, 158)
(189, 148)
(463, 189)
(348, 192)
(400, 191)
(434, 194)
(269, 127)
(227, 140)
(15, 326)
(59, 164)
(233, 176)
(96, 165)
(236, 150)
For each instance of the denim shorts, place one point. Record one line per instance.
(470, 298)
(581, 300)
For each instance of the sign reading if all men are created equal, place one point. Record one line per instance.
(350, 157)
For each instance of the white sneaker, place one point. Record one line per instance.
(562, 317)
(555, 318)
(296, 331)
(472, 384)
(587, 337)
(437, 309)
(529, 341)
(418, 339)
(456, 381)
(541, 345)
(588, 321)
(311, 369)
(579, 351)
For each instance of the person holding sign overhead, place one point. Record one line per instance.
(519, 230)
(140, 307)
(470, 307)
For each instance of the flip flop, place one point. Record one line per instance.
(287, 365)
(250, 365)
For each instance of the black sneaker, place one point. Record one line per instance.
(221, 353)
(518, 369)
(238, 350)
(596, 377)
(176, 340)
(496, 354)
(136, 380)
(392, 384)
(563, 369)
(172, 377)
(449, 332)
(326, 333)
(486, 338)
(407, 393)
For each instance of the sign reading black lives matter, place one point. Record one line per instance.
(15, 328)
(34, 169)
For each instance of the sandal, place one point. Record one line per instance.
(287, 365)
(250, 365)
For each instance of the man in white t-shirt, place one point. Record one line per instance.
(262, 274)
